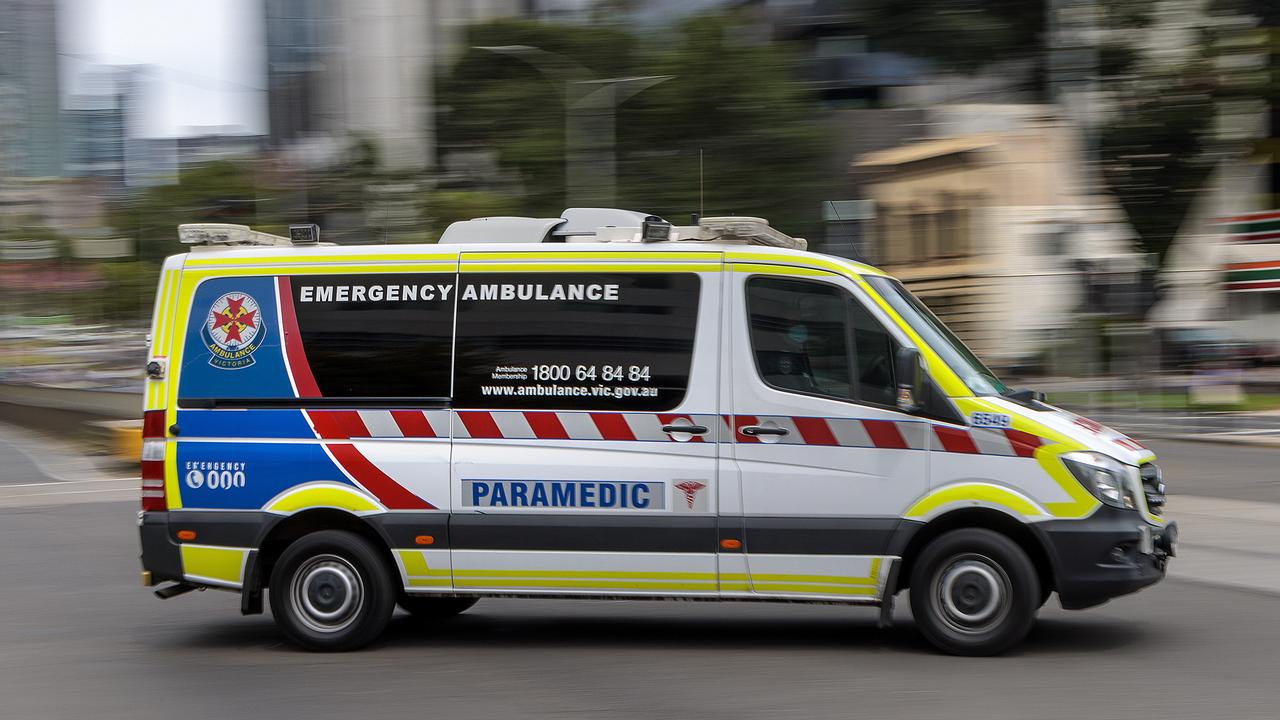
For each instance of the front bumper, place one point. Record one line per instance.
(1111, 553)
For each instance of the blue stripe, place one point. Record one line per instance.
(243, 424)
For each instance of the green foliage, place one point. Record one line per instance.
(1155, 159)
(128, 291)
(960, 34)
(30, 229)
(217, 192)
(499, 101)
(731, 97)
(764, 147)
(450, 206)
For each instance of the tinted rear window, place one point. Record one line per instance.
(377, 336)
(591, 341)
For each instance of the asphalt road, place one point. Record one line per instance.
(1235, 472)
(79, 638)
(16, 466)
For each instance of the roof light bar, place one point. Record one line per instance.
(655, 229)
(226, 234)
(308, 234)
(751, 230)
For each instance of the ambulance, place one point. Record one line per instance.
(604, 405)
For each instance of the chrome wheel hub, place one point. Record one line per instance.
(972, 593)
(327, 593)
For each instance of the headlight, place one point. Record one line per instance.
(1113, 482)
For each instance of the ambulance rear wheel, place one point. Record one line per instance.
(435, 608)
(974, 592)
(331, 590)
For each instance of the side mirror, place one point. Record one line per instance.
(910, 375)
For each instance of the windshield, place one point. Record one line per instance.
(938, 337)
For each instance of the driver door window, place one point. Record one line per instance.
(814, 338)
(874, 357)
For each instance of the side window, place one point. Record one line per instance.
(815, 338)
(800, 336)
(377, 336)
(875, 351)
(582, 341)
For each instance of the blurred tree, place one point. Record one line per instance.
(1156, 153)
(1160, 148)
(492, 100)
(732, 96)
(28, 228)
(968, 35)
(335, 197)
(1247, 43)
(735, 99)
(127, 295)
(960, 34)
(449, 206)
(217, 192)
(1156, 148)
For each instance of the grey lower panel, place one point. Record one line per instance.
(583, 533)
(819, 535)
(229, 528)
(402, 529)
(672, 533)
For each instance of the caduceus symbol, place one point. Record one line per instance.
(690, 489)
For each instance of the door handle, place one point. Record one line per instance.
(758, 430)
(691, 429)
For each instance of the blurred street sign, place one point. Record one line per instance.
(1259, 227)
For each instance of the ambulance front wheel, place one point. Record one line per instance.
(331, 590)
(435, 608)
(974, 592)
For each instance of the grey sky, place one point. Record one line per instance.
(206, 57)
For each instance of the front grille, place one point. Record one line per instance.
(1153, 487)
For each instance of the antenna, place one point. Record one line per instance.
(857, 255)
(702, 210)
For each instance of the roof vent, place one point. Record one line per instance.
(611, 225)
(500, 230)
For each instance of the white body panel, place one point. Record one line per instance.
(417, 464)
(789, 478)
(653, 457)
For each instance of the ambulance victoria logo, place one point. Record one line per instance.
(234, 330)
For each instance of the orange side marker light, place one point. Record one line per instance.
(731, 544)
(425, 540)
(186, 534)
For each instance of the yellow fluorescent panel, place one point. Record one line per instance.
(213, 563)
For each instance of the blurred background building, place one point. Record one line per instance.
(30, 137)
(992, 222)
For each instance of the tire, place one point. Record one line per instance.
(974, 592)
(331, 591)
(430, 609)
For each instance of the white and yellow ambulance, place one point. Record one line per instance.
(603, 405)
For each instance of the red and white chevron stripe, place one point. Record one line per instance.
(647, 427)
(339, 424)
